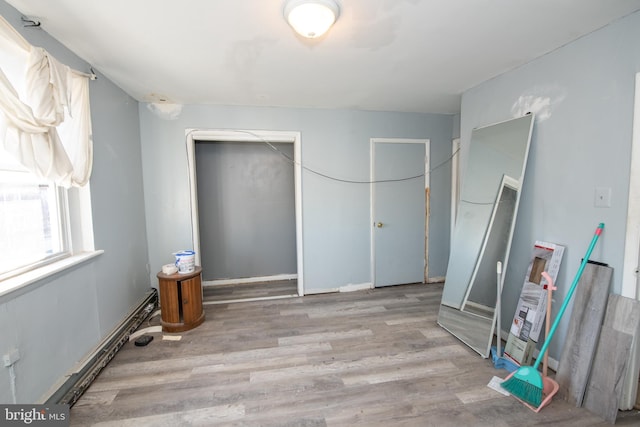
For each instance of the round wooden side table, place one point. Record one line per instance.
(181, 301)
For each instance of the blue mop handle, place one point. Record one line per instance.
(569, 294)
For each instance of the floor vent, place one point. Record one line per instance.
(81, 378)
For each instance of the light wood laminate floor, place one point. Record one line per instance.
(367, 358)
(217, 294)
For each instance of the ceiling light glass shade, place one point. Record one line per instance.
(311, 18)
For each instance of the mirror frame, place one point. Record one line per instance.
(474, 329)
(510, 184)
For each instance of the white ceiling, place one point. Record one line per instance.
(390, 55)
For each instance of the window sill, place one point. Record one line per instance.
(22, 281)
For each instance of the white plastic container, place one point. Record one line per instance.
(185, 262)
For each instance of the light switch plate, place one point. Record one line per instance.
(602, 197)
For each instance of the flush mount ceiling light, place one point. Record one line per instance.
(311, 18)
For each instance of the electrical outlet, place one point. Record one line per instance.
(602, 197)
(10, 358)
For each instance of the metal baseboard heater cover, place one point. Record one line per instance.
(78, 381)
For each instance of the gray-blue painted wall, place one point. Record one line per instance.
(583, 143)
(336, 225)
(54, 323)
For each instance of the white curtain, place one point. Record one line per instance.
(45, 121)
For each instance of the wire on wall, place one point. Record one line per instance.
(343, 180)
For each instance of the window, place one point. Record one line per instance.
(44, 227)
(33, 220)
(46, 157)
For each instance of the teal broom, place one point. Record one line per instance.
(526, 383)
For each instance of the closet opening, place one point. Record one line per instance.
(246, 213)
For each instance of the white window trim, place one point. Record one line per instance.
(82, 244)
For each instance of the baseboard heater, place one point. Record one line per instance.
(78, 381)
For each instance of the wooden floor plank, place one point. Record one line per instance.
(366, 358)
(200, 417)
(604, 388)
(589, 303)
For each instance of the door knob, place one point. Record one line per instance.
(379, 225)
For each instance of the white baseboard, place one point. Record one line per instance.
(356, 287)
(346, 288)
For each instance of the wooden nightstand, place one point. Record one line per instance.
(181, 301)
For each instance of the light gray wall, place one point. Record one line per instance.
(583, 140)
(246, 209)
(54, 323)
(336, 229)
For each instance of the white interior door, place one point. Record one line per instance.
(399, 195)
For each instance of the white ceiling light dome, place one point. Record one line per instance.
(311, 18)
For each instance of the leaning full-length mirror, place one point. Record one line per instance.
(484, 226)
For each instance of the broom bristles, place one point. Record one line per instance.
(523, 388)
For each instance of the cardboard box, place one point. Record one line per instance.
(532, 305)
(519, 351)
